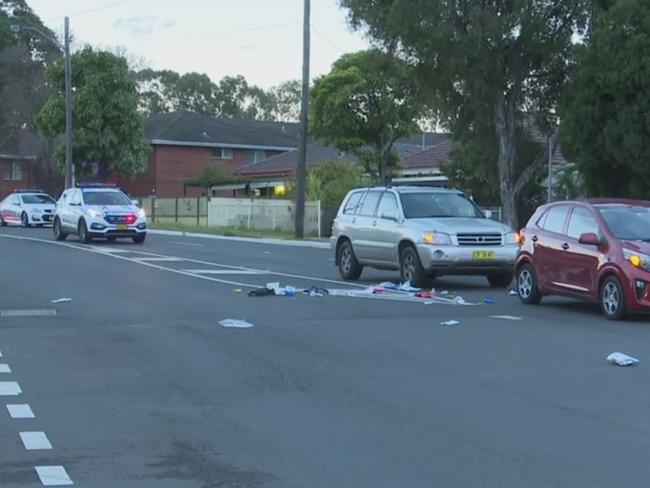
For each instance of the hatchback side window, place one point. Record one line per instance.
(352, 205)
(555, 219)
(388, 205)
(369, 204)
(582, 222)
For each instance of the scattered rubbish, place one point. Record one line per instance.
(237, 324)
(315, 291)
(424, 294)
(389, 285)
(289, 291)
(62, 300)
(260, 292)
(513, 293)
(443, 292)
(267, 252)
(238, 290)
(506, 317)
(449, 323)
(621, 359)
(489, 300)
(459, 301)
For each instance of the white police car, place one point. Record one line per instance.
(94, 210)
(27, 207)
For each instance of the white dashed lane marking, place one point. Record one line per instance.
(46, 312)
(162, 259)
(226, 271)
(9, 388)
(4, 368)
(23, 411)
(53, 476)
(35, 441)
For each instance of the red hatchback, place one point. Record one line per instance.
(596, 250)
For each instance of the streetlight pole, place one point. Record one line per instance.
(301, 170)
(69, 172)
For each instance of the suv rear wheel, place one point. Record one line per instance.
(82, 232)
(139, 239)
(612, 299)
(500, 280)
(527, 285)
(349, 267)
(411, 268)
(59, 235)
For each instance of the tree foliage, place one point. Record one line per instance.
(168, 91)
(330, 181)
(606, 122)
(364, 105)
(108, 130)
(483, 63)
(214, 174)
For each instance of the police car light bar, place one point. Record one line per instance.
(96, 185)
(33, 190)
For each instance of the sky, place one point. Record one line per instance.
(260, 39)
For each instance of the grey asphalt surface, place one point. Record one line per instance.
(136, 385)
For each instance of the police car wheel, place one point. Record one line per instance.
(59, 235)
(82, 232)
(24, 220)
(2, 221)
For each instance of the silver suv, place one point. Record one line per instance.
(423, 232)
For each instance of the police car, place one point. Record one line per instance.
(27, 207)
(94, 210)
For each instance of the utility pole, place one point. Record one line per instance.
(69, 172)
(551, 148)
(301, 170)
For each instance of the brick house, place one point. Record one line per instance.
(16, 173)
(184, 143)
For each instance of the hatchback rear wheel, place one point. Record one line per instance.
(527, 285)
(612, 299)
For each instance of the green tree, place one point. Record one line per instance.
(605, 126)
(483, 63)
(108, 130)
(330, 181)
(364, 105)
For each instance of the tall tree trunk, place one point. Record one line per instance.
(506, 133)
(102, 171)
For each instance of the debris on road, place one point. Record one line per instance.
(62, 300)
(489, 301)
(506, 317)
(621, 359)
(260, 292)
(450, 323)
(512, 293)
(237, 324)
(238, 290)
(315, 291)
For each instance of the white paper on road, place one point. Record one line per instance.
(506, 317)
(62, 300)
(237, 324)
(450, 323)
(513, 293)
(622, 359)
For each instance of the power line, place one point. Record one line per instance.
(92, 10)
(327, 39)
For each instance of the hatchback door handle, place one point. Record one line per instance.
(565, 246)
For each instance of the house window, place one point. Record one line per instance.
(13, 172)
(222, 153)
(259, 155)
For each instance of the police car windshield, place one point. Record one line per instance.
(38, 199)
(105, 198)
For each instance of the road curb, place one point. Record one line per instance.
(253, 240)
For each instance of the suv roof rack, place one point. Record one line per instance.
(96, 185)
(32, 190)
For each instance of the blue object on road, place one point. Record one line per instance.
(489, 300)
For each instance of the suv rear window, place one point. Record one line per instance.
(352, 204)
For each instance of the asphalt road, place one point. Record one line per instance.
(135, 384)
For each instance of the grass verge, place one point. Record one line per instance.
(225, 231)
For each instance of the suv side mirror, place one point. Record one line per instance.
(589, 239)
(487, 213)
(389, 215)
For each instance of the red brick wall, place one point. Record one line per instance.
(27, 182)
(142, 184)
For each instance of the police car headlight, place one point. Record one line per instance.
(94, 213)
(141, 214)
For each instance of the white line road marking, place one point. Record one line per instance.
(23, 411)
(9, 388)
(0, 354)
(109, 249)
(35, 441)
(506, 317)
(53, 476)
(46, 312)
(226, 271)
(4, 368)
(162, 258)
(187, 244)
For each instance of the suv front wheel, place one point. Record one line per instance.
(82, 232)
(411, 268)
(349, 267)
(59, 235)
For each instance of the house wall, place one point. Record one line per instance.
(7, 186)
(171, 166)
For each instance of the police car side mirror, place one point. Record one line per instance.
(135, 202)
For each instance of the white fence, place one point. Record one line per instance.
(260, 214)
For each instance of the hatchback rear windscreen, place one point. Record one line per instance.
(627, 222)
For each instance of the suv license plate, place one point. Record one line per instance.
(484, 255)
(122, 227)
